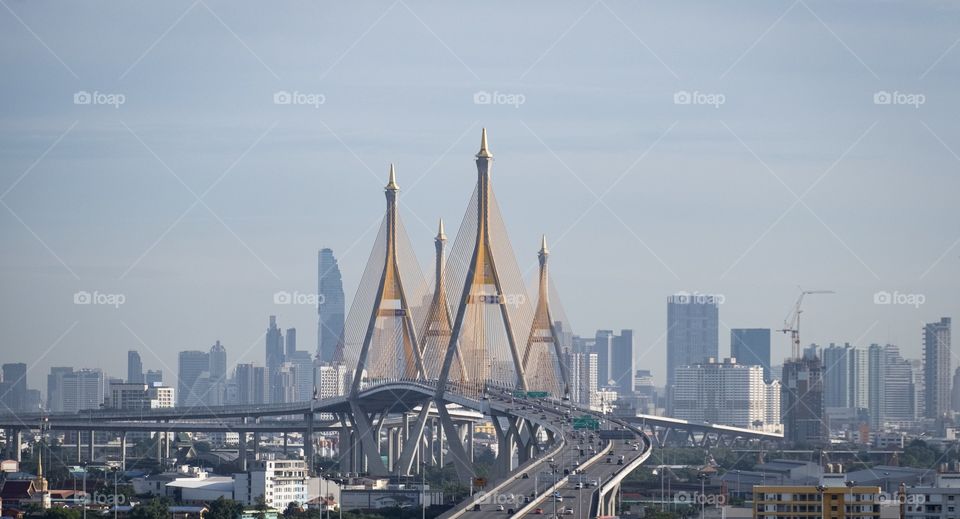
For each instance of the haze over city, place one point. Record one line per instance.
(199, 196)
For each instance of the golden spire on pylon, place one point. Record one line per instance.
(442, 236)
(543, 245)
(392, 184)
(484, 152)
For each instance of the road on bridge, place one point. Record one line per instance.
(587, 459)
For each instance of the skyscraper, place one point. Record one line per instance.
(751, 346)
(251, 384)
(692, 333)
(602, 345)
(302, 362)
(218, 375)
(290, 340)
(55, 388)
(82, 389)
(621, 362)
(14, 394)
(274, 358)
(725, 392)
(936, 367)
(218, 361)
(153, 377)
(192, 365)
(134, 367)
(583, 378)
(802, 400)
(845, 379)
(330, 307)
(892, 389)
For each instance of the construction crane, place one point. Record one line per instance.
(791, 324)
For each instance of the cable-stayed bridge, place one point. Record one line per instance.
(427, 364)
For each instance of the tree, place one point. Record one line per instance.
(293, 510)
(224, 509)
(158, 508)
(261, 507)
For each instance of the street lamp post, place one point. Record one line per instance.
(116, 501)
(703, 499)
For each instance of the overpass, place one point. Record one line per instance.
(416, 359)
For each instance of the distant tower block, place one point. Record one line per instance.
(435, 337)
(483, 333)
(542, 356)
(389, 350)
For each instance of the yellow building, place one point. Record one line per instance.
(832, 499)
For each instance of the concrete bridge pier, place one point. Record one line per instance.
(242, 450)
(608, 502)
(80, 448)
(123, 450)
(469, 442)
(307, 443)
(343, 444)
(439, 443)
(91, 446)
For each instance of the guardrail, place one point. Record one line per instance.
(618, 476)
(534, 502)
(453, 514)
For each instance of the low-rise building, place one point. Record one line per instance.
(833, 498)
(940, 501)
(280, 482)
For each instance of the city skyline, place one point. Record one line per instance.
(686, 203)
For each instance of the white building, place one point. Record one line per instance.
(331, 380)
(82, 390)
(941, 501)
(280, 482)
(726, 393)
(583, 378)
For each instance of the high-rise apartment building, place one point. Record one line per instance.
(55, 388)
(82, 389)
(615, 360)
(751, 346)
(192, 366)
(802, 400)
(692, 333)
(251, 384)
(726, 393)
(153, 377)
(582, 371)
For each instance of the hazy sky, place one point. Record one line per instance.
(199, 197)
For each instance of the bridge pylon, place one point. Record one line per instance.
(380, 336)
(492, 304)
(543, 358)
